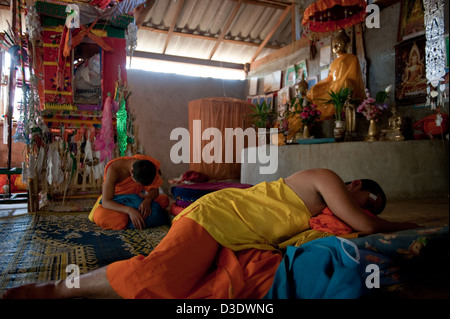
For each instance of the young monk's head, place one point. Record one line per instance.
(368, 194)
(144, 172)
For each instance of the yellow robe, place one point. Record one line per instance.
(265, 216)
(345, 71)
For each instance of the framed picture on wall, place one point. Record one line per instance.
(300, 69)
(410, 73)
(411, 22)
(253, 86)
(269, 100)
(312, 80)
(272, 82)
(290, 76)
(261, 98)
(284, 97)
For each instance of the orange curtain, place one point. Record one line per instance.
(218, 113)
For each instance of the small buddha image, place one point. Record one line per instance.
(295, 122)
(415, 69)
(345, 71)
(414, 75)
(393, 133)
(412, 19)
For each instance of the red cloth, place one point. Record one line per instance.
(320, 8)
(328, 222)
(112, 61)
(189, 264)
(102, 4)
(193, 176)
(175, 209)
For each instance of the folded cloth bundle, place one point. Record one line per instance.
(185, 195)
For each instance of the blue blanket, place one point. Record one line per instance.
(158, 217)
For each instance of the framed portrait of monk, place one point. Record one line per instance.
(411, 22)
(410, 72)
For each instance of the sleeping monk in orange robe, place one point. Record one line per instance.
(124, 177)
(344, 71)
(227, 244)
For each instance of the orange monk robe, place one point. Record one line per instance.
(190, 264)
(110, 219)
(345, 71)
(224, 245)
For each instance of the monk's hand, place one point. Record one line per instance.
(136, 218)
(146, 207)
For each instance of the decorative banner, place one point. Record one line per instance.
(131, 37)
(331, 15)
(435, 49)
(73, 18)
(121, 117)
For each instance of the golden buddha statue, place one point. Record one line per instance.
(393, 133)
(350, 119)
(295, 122)
(344, 71)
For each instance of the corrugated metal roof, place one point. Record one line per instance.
(234, 31)
(194, 27)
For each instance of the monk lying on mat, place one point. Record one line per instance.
(123, 203)
(227, 244)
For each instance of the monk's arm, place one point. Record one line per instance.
(107, 200)
(146, 206)
(108, 193)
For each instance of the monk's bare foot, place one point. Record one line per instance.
(32, 291)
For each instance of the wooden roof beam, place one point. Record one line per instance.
(141, 12)
(226, 28)
(174, 22)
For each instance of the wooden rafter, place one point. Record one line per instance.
(267, 3)
(174, 22)
(141, 12)
(266, 40)
(226, 28)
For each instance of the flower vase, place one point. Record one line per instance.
(372, 134)
(339, 130)
(306, 132)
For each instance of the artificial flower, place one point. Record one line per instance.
(370, 107)
(309, 113)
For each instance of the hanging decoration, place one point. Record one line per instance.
(121, 116)
(131, 38)
(105, 142)
(435, 51)
(122, 127)
(332, 15)
(33, 27)
(73, 16)
(21, 134)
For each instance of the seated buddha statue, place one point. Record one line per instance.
(344, 71)
(393, 133)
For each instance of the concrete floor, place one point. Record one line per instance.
(425, 212)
